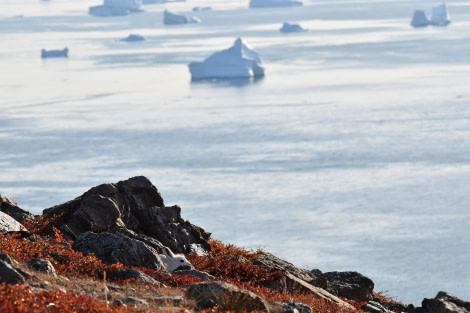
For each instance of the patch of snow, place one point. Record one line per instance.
(238, 61)
(291, 28)
(55, 53)
(274, 3)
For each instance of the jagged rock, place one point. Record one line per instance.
(133, 207)
(10, 207)
(312, 277)
(225, 296)
(5, 258)
(195, 273)
(375, 307)
(167, 300)
(135, 302)
(351, 285)
(41, 265)
(128, 273)
(292, 307)
(9, 224)
(10, 275)
(113, 248)
(445, 303)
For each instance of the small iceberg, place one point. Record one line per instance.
(116, 8)
(170, 18)
(291, 28)
(153, 1)
(419, 19)
(440, 15)
(133, 38)
(202, 8)
(64, 53)
(238, 61)
(274, 3)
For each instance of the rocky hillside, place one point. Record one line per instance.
(119, 248)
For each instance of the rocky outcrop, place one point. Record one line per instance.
(9, 224)
(10, 207)
(113, 248)
(134, 208)
(226, 297)
(41, 265)
(138, 276)
(445, 303)
(351, 285)
(10, 275)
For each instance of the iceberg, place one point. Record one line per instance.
(116, 8)
(64, 53)
(274, 3)
(133, 38)
(153, 1)
(419, 19)
(291, 28)
(440, 15)
(170, 18)
(238, 61)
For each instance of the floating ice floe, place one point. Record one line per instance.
(202, 8)
(440, 17)
(238, 61)
(274, 3)
(133, 38)
(116, 8)
(171, 18)
(64, 53)
(291, 28)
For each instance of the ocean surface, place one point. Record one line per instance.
(353, 153)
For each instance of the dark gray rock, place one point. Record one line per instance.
(196, 274)
(113, 248)
(225, 296)
(375, 307)
(41, 265)
(133, 207)
(10, 275)
(445, 303)
(135, 302)
(10, 207)
(351, 285)
(293, 307)
(128, 273)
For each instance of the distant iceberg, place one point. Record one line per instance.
(419, 19)
(202, 8)
(274, 3)
(116, 8)
(440, 15)
(133, 38)
(153, 1)
(238, 61)
(64, 53)
(291, 28)
(170, 18)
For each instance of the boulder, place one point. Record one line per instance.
(292, 307)
(41, 265)
(113, 248)
(135, 208)
(9, 224)
(225, 296)
(128, 273)
(351, 285)
(10, 275)
(10, 207)
(445, 303)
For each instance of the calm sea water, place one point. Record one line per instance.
(353, 153)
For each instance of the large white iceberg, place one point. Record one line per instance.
(291, 28)
(238, 61)
(440, 15)
(116, 8)
(171, 18)
(64, 53)
(274, 3)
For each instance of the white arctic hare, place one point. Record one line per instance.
(173, 261)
